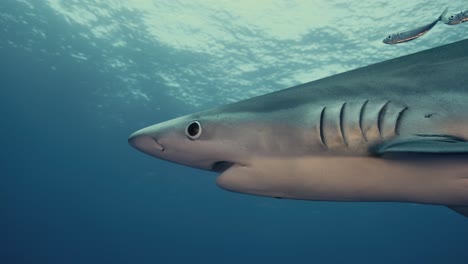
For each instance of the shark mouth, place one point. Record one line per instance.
(221, 166)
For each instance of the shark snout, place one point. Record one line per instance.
(145, 142)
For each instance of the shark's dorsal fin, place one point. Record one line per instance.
(463, 210)
(436, 144)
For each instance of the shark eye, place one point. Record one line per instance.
(193, 130)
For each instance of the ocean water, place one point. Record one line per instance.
(77, 77)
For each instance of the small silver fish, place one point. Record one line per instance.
(413, 33)
(457, 18)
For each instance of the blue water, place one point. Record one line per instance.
(73, 191)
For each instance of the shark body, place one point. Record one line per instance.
(392, 131)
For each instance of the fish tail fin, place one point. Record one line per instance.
(442, 16)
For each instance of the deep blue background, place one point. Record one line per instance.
(73, 191)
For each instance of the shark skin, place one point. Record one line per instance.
(392, 131)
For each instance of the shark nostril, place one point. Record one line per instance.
(158, 145)
(144, 142)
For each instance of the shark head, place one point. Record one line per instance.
(187, 140)
(210, 140)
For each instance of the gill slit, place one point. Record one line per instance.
(361, 116)
(398, 121)
(381, 117)
(322, 137)
(342, 123)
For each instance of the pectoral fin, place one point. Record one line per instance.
(436, 144)
(463, 210)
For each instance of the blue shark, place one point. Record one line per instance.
(393, 131)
